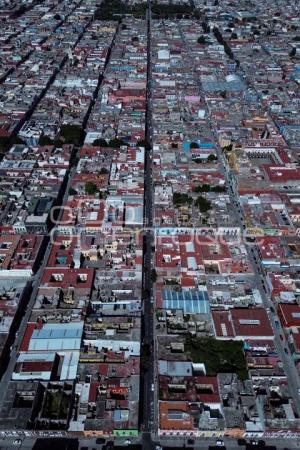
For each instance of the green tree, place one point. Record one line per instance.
(218, 188)
(181, 199)
(141, 143)
(72, 134)
(227, 148)
(4, 143)
(212, 158)
(72, 191)
(220, 39)
(206, 27)
(45, 140)
(201, 40)
(74, 160)
(116, 143)
(90, 188)
(217, 355)
(7, 141)
(145, 356)
(202, 188)
(145, 294)
(112, 9)
(153, 275)
(203, 204)
(99, 143)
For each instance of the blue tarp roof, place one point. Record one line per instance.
(194, 302)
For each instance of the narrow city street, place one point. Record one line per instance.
(148, 323)
(149, 238)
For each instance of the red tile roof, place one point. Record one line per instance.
(242, 323)
(289, 314)
(94, 391)
(27, 336)
(37, 366)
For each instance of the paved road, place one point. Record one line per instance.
(172, 443)
(147, 332)
(230, 444)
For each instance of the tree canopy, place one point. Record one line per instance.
(72, 134)
(99, 143)
(90, 188)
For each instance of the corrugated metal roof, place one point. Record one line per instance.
(195, 302)
(59, 331)
(54, 344)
